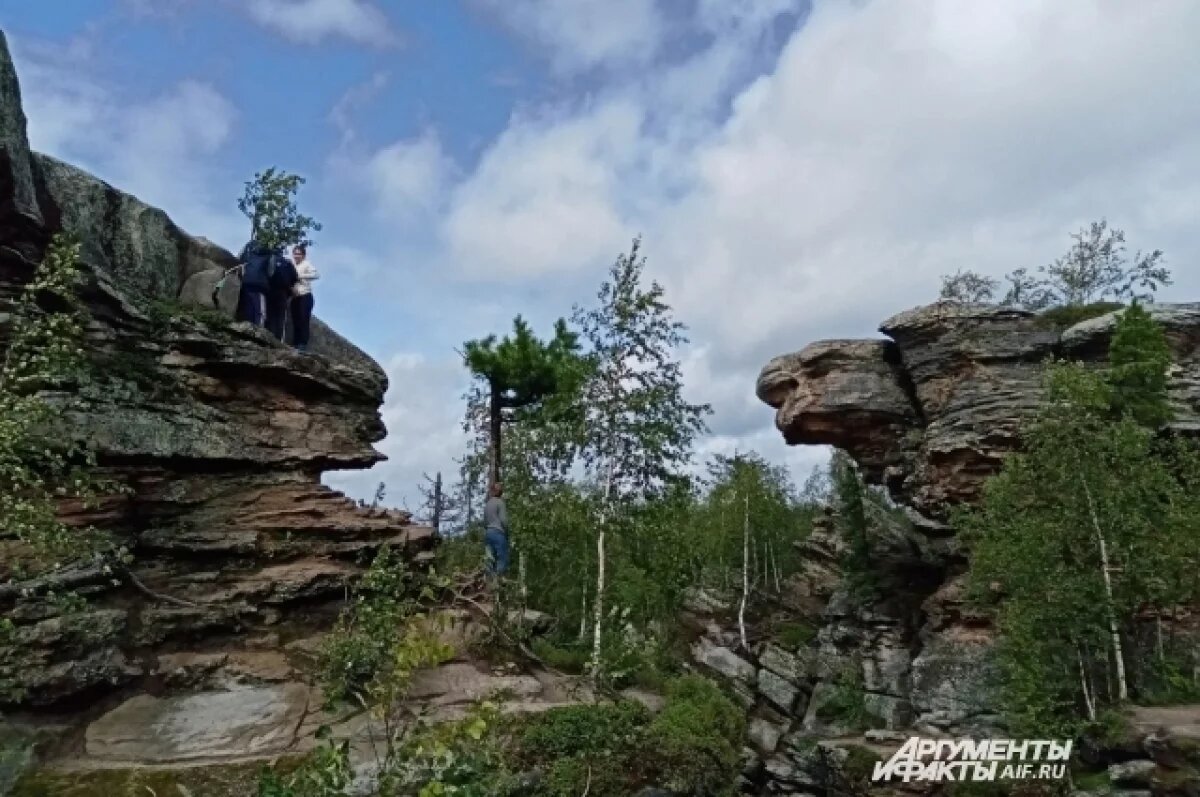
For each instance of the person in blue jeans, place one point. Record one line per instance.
(495, 534)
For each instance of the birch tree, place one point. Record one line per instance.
(639, 426)
(1091, 526)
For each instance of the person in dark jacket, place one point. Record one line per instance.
(257, 267)
(279, 295)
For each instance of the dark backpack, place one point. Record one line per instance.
(283, 275)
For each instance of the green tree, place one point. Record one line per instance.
(757, 520)
(639, 427)
(1139, 358)
(520, 372)
(849, 495)
(1096, 268)
(269, 202)
(1086, 530)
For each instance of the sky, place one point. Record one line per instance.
(796, 170)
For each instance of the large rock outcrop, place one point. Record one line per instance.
(929, 412)
(215, 435)
(932, 411)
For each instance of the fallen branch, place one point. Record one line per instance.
(158, 595)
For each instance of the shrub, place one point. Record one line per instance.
(695, 743)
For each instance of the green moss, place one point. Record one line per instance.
(567, 658)
(794, 636)
(1071, 314)
(859, 764)
(237, 780)
(1096, 782)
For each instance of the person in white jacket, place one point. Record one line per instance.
(302, 297)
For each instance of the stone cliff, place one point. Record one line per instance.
(929, 413)
(217, 433)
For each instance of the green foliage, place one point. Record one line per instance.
(697, 739)
(464, 759)
(44, 360)
(850, 502)
(1095, 268)
(1092, 483)
(381, 638)
(692, 747)
(523, 370)
(324, 773)
(1170, 680)
(640, 428)
(847, 703)
(1069, 315)
(269, 202)
(1138, 358)
(569, 658)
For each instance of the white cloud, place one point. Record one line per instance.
(889, 143)
(159, 148)
(424, 429)
(409, 178)
(313, 21)
(547, 190)
(579, 35)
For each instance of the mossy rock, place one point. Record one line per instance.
(1070, 315)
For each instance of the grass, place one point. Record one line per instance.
(235, 780)
(794, 636)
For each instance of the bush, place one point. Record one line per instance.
(568, 658)
(695, 743)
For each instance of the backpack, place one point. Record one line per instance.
(282, 274)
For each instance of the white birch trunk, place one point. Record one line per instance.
(1087, 693)
(598, 609)
(745, 572)
(1113, 629)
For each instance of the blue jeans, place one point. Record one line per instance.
(496, 543)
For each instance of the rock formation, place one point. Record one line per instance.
(929, 413)
(216, 434)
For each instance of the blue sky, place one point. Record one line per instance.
(797, 171)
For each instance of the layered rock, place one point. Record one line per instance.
(929, 413)
(213, 434)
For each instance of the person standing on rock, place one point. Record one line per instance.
(257, 264)
(279, 295)
(302, 297)
(495, 534)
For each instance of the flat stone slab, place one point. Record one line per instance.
(239, 723)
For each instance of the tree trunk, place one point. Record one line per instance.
(437, 504)
(745, 572)
(1087, 693)
(496, 426)
(1158, 637)
(1113, 629)
(598, 608)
